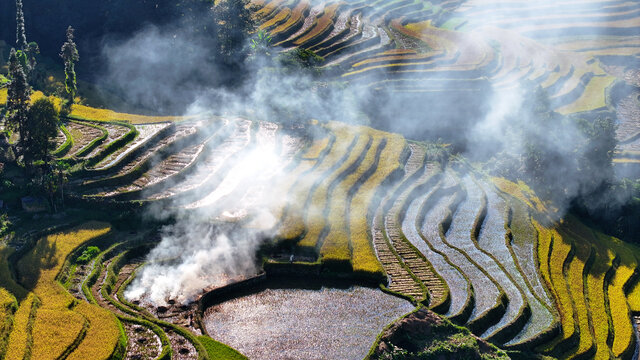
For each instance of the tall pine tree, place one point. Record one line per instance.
(69, 53)
(18, 96)
(21, 36)
(26, 51)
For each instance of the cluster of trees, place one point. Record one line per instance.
(565, 156)
(568, 161)
(36, 123)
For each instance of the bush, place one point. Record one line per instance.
(3, 81)
(88, 254)
(300, 58)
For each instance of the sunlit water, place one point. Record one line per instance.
(327, 323)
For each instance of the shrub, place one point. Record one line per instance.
(300, 58)
(3, 81)
(88, 254)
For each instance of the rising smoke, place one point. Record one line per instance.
(174, 70)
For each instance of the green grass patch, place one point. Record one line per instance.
(218, 350)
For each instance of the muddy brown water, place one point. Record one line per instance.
(321, 323)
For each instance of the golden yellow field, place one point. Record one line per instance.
(60, 318)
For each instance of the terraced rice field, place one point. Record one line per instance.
(366, 204)
(350, 201)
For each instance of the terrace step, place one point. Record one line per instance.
(85, 135)
(155, 149)
(114, 132)
(421, 224)
(220, 155)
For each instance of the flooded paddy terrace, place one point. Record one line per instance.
(302, 321)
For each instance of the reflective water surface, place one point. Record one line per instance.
(327, 323)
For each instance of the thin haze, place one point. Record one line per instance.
(164, 62)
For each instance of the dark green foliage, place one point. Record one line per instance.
(21, 36)
(18, 96)
(566, 158)
(5, 224)
(300, 58)
(598, 148)
(88, 254)
(69, 53)
(3, 81)
(260, 43)
(26, 51)
(40, 130)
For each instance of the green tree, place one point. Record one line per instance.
(261, 42)
(26, 51)
(40, 132)
(69, 53)
(53, 182)
(21, 36)
(18, 96)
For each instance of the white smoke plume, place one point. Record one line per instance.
(167, 63)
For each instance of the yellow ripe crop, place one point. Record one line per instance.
(551, 267)
(18, 338)
(284, 191)
(419, 26)
(3, 97)
(593, 97)
(281, 16)
(575, 282)
(622, 328)
(316, 148)
(298, 194)
(297, 16)
(37, 95)
(39, 269)
(320, 24)
(54, 331)
(598, 312)
(89, 113)
(49, 254)
(336, 244)
(634, 297)
(337, 203)
(364, 258)
(315, 221)
(594, 294)
(620, 314)
(520, 191)
(8, 307)
(6, 299)
(102, 335)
